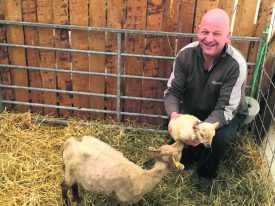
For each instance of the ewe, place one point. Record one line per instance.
(100, 168)
(189, 127)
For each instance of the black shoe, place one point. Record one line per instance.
(204, 185)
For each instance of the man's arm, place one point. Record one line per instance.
(175, 86)
(230, 97)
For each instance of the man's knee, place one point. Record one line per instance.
(222, 144)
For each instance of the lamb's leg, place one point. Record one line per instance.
(76, 197)
(64, 189)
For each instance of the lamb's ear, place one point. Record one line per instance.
(152, 149)
(216, 125)
(154, 152)
(196, 124)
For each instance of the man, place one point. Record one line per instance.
(208, 82)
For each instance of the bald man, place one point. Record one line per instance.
(208, 81)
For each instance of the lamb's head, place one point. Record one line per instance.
(169, 154)
(205, 132)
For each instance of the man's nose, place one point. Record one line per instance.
(209, 37)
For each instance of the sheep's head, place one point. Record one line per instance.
(206, 131)
(169, 154)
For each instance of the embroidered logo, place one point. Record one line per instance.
(214, 82)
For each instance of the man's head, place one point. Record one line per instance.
(214, 32)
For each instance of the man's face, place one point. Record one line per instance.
(212, 35)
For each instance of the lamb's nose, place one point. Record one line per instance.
(208, 145)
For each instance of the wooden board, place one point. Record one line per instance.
(202, 7)
(5, 74)
(29, 14)
(245, 10)
(80, 61)
(263, 21)
(17, 56)
(135, 44)
(186, 21)
(170, 22)
(47, 58)
(153, 46)
(228, 6)
(63, 59)
(97, 62)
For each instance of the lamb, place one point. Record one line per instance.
(99, 168)
(189, 127)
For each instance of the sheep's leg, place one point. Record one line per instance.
(64, 189)
(76, 197)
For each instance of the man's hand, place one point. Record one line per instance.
(174, 115)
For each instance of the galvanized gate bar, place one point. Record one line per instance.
(75, 92)
(78, 72)
(119, 54)
(129, 31)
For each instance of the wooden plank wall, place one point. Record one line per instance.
(152, 15)
(5, 73)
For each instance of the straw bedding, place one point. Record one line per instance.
(31, 166)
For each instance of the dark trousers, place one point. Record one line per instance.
(208, 159)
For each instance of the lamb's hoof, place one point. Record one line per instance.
(78, 200)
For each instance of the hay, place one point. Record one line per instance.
(31, 166)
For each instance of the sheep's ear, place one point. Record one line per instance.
(216, 125)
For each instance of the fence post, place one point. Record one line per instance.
(257, 66)
(118, 115)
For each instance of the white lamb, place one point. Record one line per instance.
(189, 127)
(100, 168)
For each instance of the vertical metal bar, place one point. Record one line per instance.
(258, 92)
(260, 45)
(118, 114)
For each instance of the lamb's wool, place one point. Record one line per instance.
(189, 127)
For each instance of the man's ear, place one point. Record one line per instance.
(228, 36)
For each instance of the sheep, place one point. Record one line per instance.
(99, 168)
(189, 127)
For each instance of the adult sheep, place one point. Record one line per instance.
(99, 168)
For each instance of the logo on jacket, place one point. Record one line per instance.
(214, 82)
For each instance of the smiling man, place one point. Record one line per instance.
(208, 82)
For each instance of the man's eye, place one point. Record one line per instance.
(204, 32)
(217, 34)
